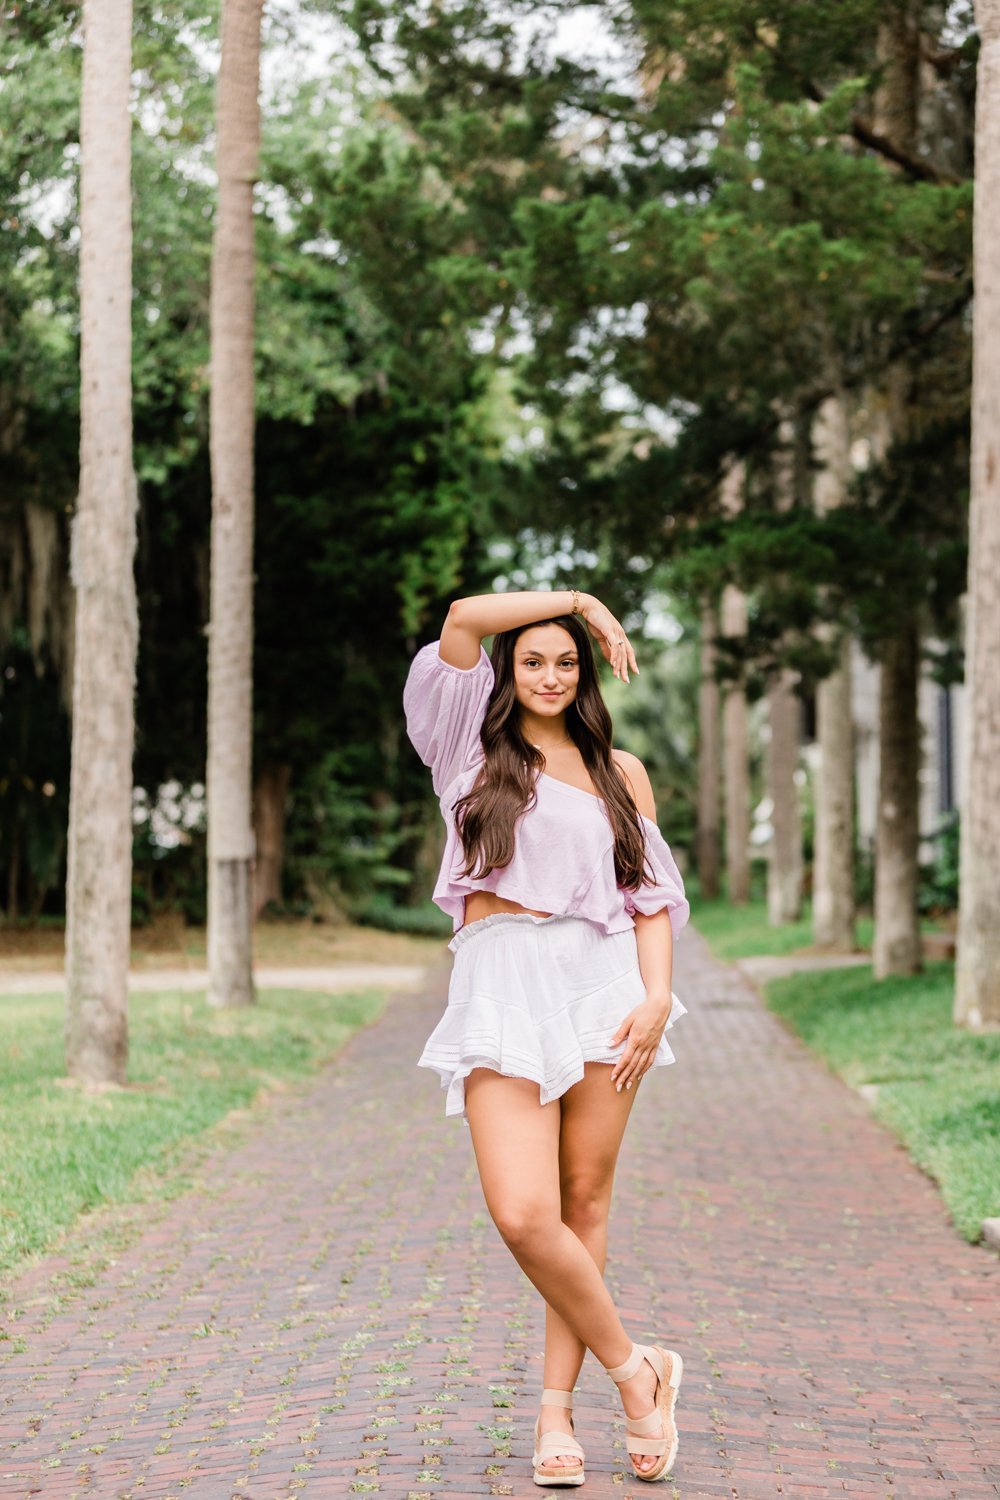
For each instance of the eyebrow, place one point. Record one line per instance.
(570, 651)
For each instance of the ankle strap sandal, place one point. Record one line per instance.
(655, 1435)
(549, 1445)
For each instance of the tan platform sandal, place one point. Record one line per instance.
(551, 1444)
(655, 1435)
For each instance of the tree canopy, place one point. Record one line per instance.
(520, 304)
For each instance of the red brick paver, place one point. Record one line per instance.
(333, 1313)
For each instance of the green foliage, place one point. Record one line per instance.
(864, 877)
(374, 454)
(381, 911)
(34, 780)
(939, 879)
(722, 251)
(937, 1085)
(503, 297)
(341, 845)
(66, 1152)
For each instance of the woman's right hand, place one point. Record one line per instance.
(610, 636)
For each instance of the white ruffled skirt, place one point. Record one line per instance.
(536, 997)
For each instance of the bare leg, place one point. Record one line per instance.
(594, 1116)
(517, 1146)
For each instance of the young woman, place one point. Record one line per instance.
(565, 900)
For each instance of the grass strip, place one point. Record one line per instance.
(938, 1085)
(744, 932)
(65, 1151)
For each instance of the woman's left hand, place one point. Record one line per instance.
(642, 1030)
(609, 633)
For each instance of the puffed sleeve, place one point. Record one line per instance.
(668, 887)
(444, 708)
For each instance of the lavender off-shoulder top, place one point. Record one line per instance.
(564, 846)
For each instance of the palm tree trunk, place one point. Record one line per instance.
(784, 871)
(833, 903)
(99, 877)
(736, 760)
(833, 856)
(735, 733)
(897, 928)
(784, 864)
(977, 979)
(708, 850)
(270, 797)
(230, 653)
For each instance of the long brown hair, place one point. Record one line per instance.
(505, 787)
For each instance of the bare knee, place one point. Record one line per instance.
(523, 1224)
(585, 1206)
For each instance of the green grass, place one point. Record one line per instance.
(65, 1151)
(938, 1086)
(743, 931)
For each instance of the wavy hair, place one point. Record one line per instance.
(505, 787)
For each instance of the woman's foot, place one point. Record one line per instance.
(557, 1419)
(639, 1400)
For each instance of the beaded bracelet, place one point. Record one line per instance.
(576, 601)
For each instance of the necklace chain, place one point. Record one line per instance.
(566, 741)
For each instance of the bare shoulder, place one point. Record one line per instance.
(637, 780)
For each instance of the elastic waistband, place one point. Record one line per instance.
(504, 919)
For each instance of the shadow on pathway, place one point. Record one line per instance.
(332, 1313)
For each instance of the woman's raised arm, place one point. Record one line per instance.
(469, 620)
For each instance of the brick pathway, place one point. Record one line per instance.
(332, 1312)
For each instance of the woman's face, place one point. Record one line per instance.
(546, 670)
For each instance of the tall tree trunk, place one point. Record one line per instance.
(897, 99)
(897, 844)
(833, 855)
(230, 651)
(427, 859)
(270, 797)
(833, 904)
(99, 878)
(897, 930)
(784, 872)
(784, 864)
(709, 849)
(897, 927)
(736, 766)
(977, 986)
(735, 737)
